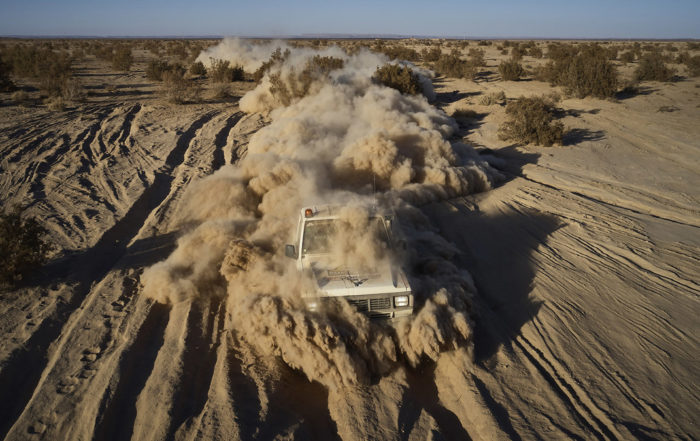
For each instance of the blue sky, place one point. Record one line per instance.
(484, 18)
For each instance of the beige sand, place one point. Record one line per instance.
(584, 259)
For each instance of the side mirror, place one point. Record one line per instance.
(290, 251)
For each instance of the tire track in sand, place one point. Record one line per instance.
(45, 347)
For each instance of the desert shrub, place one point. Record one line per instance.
(531, 121)
(221, 71)
(476, 57)
(51, 69)
(197, 68)
(511, 70)
(535, 52)
(582, 71)
(516, 53)
(465, 114)
(398, 77)
(400, 52)
(56, 104)
(455, 67)
(178, 50)
(221, 91)
(155, 69)
(652, 68)
(560, 51)
(6, 84)
(682, 58)
(692, 45)
(20, 97)
(323, 65)
(122, 59)
(153, 46)
(178, 89)
(484, 43)
(72, 90)
(693, 65)
(431, 55)
(277, 58)
(493, 98)
(297, 85)
(23, 248)
(627, 57)
(590, 73)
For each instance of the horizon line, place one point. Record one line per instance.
(344, 36)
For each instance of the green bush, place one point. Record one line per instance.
(511, 70)
(22, 246)
(531, 121)
(652, 68)
(398, 77)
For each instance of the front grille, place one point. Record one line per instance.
(381, 303)
(360, 305)
(383, 315)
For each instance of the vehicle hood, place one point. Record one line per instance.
(334, 281)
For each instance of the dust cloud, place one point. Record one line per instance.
(347, 142)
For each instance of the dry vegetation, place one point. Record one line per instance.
(531, 121)
(398, 77)
(23, 248)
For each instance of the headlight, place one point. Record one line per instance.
(400, 301)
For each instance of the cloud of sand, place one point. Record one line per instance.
(345, 138)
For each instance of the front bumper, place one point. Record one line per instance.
(375, 306)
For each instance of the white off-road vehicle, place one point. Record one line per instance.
(382, 292)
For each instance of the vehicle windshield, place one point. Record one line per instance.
(318, 234)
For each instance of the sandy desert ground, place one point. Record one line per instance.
(582, 261)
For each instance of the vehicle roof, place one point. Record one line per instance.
(332, 211)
